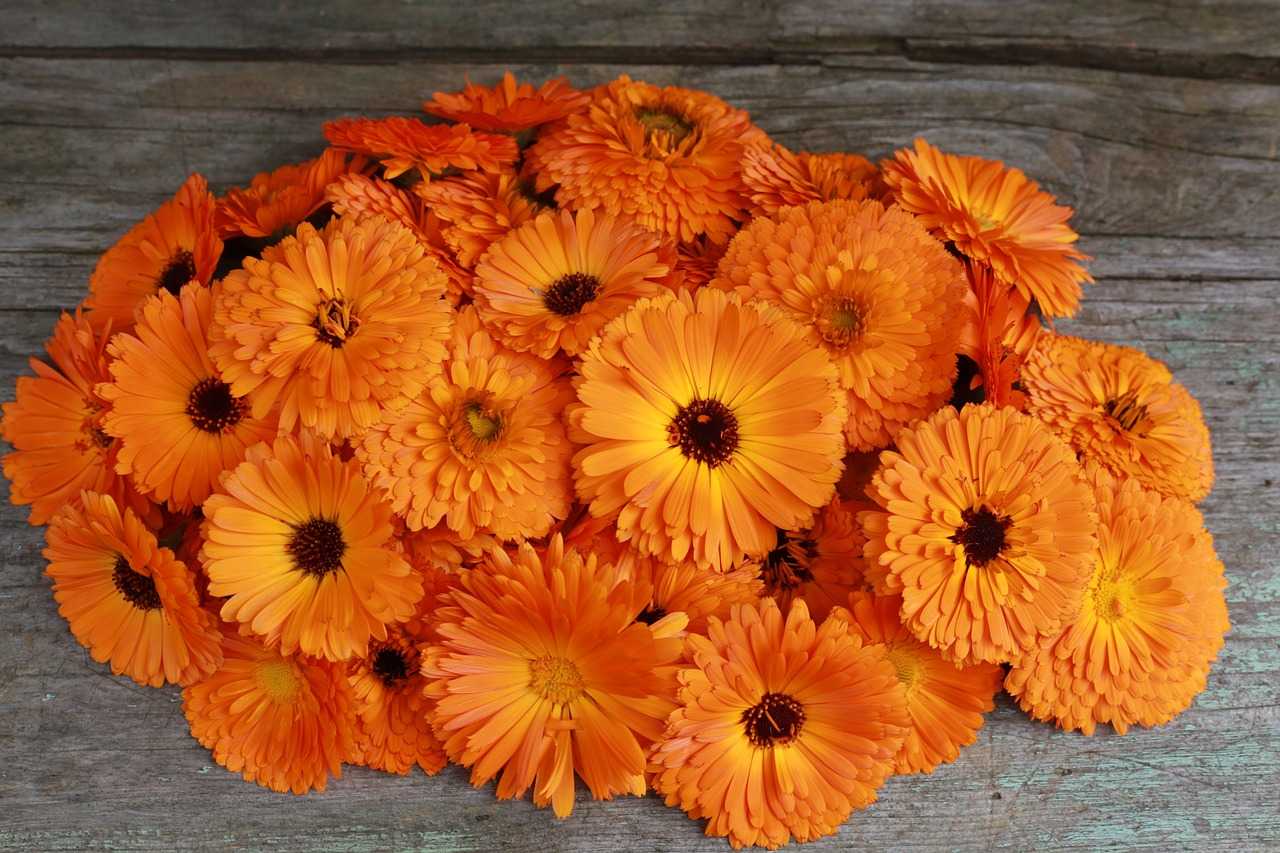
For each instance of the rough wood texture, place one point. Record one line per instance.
(1159, 122)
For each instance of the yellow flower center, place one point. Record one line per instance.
(664, 128)
(840, 322)
(335, 323)
(555, 678)
(279, 679)
(476, 426)
(906, 665)
(985, 221)
(1112, 597)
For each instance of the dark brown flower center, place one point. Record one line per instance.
(775, 720)
(390, 665)
(335, 323)
(982, 535)
(180, 270)
(317, 547)
(651, 614)
(212, 408)
(706, 431)
(138, 589)
(786, 567)
(664, 123)
(1125, 410)
(570, 293)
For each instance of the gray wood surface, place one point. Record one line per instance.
(1159, 122)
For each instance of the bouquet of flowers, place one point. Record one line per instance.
(593, 436)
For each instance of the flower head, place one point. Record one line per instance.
(821, 565)
(508, 106)
(996, 216)
(776, 178)
(986, 527)
(403, 143)
(708, 425)
(477, 209)
(784, 727)
(277, 201)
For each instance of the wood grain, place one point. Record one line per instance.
(1159, 122)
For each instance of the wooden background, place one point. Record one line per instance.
(1159, 122)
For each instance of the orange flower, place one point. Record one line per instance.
(1004, 331)
(283, 722)
(777, 178)
(300, 546)
(55, 428)
(334, 326)
(508, 106)
(708, 424)
(986, 528)
(483, 448)
(175, 244)
(784, 727)
(995, 216)
(408, 143)
(874, 291)
(359, 197)
(1121, 407)
(946, 702)
(443, 548)
(555, 281)
(179, 424)
(821, 565)
(541, 672)
(277, 201)
(127, 600)
(393, 720)
(696, 263)
(478, 209)
(670, 157)
(1152, 620)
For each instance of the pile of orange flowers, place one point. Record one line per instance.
(593, 437)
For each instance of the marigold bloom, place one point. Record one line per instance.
(696, 263)
(508, 106)
(483, 447)
(285, 723)
(175, 244)
(393, 721)
(946, 702)
(986, 528)
(669, 157)
(1152, 619)
(300, 546)
(127, 600)
(443, 548)
(55, 427)
(996, 216)
(477, 209)
(776, 178)
(179, 424)
(403, 143)
(542, 671)
(875, 292)
(820, 565)
(334, 326)
(665, 588)
(1004, 331)
(277, 201)
(785, 727)
(1121, 407)
(708, 424)
(552, 283)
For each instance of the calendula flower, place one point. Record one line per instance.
(821, 564)
(333, 326)
(55, 428)
(508, 106)
(284, 722)
(126, 599)
(359, 197)
(776, 178)
(178, 423)
(477, 209)
(1003, 332)
(986, 527)
(393, 719)
(443, 548)
(1151, 622)
(403, 143)
(300, 546)
(552, 283)
(176, 244)
(875, 292)
(276, 201)
(946, 702)
(708, 425)
(995, 216)
(542, 672)
(483, 447)
(669, 157)
(696, 263)
(784, 727)
(1121, 407)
